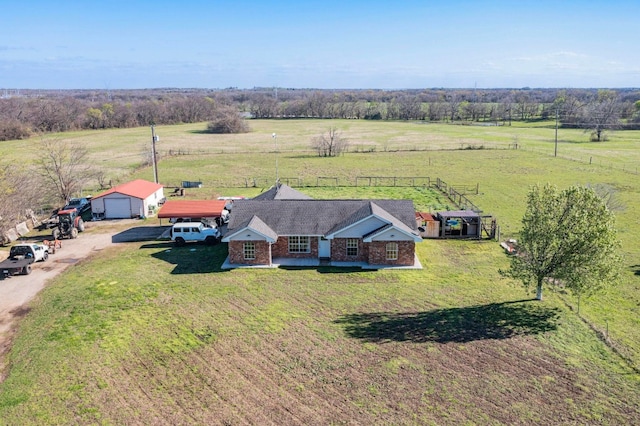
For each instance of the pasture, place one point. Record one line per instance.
(145, 333)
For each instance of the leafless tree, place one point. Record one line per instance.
(453, 102)
(602, 114)
(18, 194)
(330, 144)
(64, 167)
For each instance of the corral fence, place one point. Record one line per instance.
(335, 181)
(456, 193)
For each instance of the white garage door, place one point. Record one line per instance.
(117, 208)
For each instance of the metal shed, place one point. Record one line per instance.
(460, 224)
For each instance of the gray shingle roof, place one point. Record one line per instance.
(319, 217)
(281, 192)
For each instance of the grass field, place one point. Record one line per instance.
(145, 333)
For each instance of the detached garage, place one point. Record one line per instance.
(138, 198)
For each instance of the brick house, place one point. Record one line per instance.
(368, 233)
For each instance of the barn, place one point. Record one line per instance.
(138, 198)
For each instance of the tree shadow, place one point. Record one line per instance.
(191, 258)
(460, 325)
(635, 269)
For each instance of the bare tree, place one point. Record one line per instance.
(64, 167)
(18, 195)
(602, 114)
(330, 144)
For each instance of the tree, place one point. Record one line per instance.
(568, 238)
(227, 120)
(64, 167)
(330, 144)
(18, 195)
(602, 114)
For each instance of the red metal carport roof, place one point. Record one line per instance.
(192, 208)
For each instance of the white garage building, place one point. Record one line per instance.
(138, 198)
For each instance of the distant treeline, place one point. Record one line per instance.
(27, 112)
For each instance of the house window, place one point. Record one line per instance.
(392, 251)
(299, 244)
(352, 246)
(249, 249)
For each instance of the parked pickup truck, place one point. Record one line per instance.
(21, 256)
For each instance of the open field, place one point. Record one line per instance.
(150, 334)
(120, 151)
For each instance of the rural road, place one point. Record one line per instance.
(17, 291)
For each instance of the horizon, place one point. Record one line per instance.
(310, 45)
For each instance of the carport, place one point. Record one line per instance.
(192, 209)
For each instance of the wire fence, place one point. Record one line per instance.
(457, 194)
(592, 160)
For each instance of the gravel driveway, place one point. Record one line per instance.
(17, 291)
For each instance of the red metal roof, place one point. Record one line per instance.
(191, 208)
(138, 188)
(425, 216)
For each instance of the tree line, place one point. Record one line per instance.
(28, 112)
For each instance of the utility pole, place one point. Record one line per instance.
(555, 153)
(275, 139)
(154, 158)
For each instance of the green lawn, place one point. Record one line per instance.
(147, 333)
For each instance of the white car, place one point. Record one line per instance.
(184, 232)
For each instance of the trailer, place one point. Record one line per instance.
(15, 267)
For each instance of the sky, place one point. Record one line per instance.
(328, 44)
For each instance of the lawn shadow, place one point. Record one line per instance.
(139, 233)
(635, 269)
(460, 325)
(191, 258)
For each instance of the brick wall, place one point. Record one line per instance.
(378, 253)
(339, 251)
(281, 249)
(236, 253)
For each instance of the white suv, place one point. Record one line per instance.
(183, 232)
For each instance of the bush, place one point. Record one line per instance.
(12, 130)
(227, 120)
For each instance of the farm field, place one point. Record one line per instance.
(146, 333)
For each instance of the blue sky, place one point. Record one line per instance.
(319, 44)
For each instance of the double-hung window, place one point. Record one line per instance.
(299, 244)
(249, 250)
(392, 251)
(352, 246)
